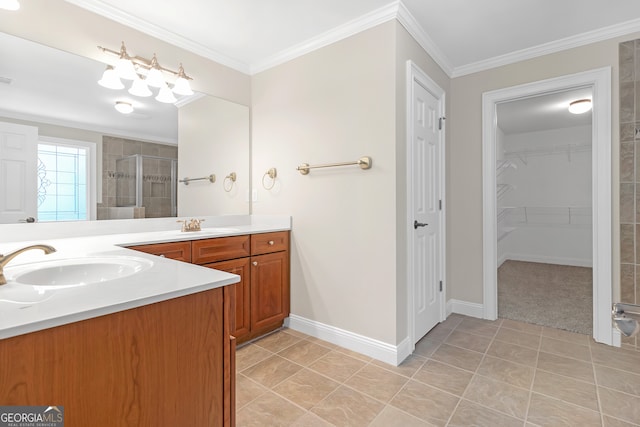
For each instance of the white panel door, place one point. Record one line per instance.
(18, 172)
(426, 206)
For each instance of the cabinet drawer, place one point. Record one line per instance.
(220, 249)
(269, 242)
(174, 250)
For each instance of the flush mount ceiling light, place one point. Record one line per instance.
(580, 106)
(144, 73)
(124, 107)
(9, 4)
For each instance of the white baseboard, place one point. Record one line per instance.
(471, 309)
(379, 350)
(576, 262)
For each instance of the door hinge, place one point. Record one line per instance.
(441, 122)
(440, 204)
(440, 285)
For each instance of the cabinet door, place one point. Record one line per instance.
(242, 296)
(269, 290)
(174, 250)
(206, 251)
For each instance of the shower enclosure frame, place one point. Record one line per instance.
(139, 158)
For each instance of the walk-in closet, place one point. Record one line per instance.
(543, 193)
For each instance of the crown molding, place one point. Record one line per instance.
(355, 26)
(108, 11)
(416, 31)
(589, 37)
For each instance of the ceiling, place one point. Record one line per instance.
(462, 35)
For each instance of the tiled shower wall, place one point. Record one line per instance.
(157, 191)
(629, 61)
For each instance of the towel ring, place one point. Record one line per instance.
(271, 173)
(231, 179)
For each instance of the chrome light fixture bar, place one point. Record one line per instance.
(143, 73)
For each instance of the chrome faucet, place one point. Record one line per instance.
(4, 259)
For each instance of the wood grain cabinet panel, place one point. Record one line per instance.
(163, 364)
(206, 251)
(269, 291)
(265, 243)
(242, 293)
(180, 251)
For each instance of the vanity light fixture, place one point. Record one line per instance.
(124, 107)
(580, 106)
(9, 4)
(144, 73)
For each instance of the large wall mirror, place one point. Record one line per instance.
(132, 164)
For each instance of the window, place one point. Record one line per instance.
(64, 180)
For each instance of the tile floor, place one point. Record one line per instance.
(465, 372)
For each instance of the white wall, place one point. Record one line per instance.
(214, 139)
(555, 188)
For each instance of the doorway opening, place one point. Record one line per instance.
(599, 83)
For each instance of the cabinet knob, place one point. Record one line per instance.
(162, 256)
(255, 263)
(271, 242)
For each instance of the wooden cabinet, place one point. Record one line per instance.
(174, 250)
(262, 262)
(262, 296)
(165, 364)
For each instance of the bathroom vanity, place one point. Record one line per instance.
(153, 348)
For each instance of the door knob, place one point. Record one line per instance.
(417, 224)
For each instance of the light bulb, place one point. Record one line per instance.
(110, 79)
(139, 88)
(182, 86)
(580, 106)
(165, 95)
(124, 107)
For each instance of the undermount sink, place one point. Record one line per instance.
(71, 272)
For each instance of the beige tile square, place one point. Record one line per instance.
(618, 380)
(473, 342)
(508, 372)
(513, 353)
(304, 352)
(337, 366)
(459, 357)
(277, 341)
(377, 382)
(445, 377)
(565, 348)
(453, 320)
(272, 371)
(528, 328)
(620, 405)
(346, 407)
(471, 414)
(497, 395)
(425, 402)
(479, 327)
(573, 368)
(545, 411)
(295, 333)
(268, 410)
(573, 391)
(615, 422)
(617, 358)
(247, 390)
(393, 417)
(354, 354)
(306, 388)
(567, 336)
(250, 355)
(426, 346)
(518, 338)
(322, 342)
(311, 420)
(439, 333)
(407, 368)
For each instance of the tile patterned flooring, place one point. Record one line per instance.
(465, 372)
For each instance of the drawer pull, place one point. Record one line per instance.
(271, 242)
(255, 263)
(162, 256)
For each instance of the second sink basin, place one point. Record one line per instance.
(71, 272)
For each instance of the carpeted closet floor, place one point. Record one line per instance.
(557, 296)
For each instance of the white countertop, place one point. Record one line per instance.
(163, 280)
